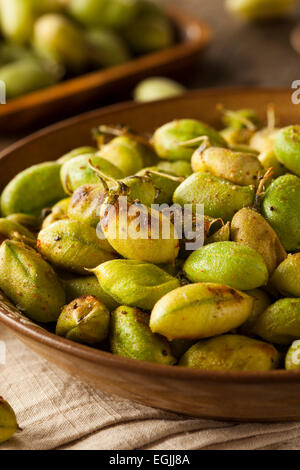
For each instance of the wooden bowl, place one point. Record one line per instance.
(81, 93)
(242, 396)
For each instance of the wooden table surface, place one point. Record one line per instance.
(240, 54)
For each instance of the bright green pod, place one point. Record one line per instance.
(30, 282)
(59, 39)
(157, 88)
(17, 19)
(8, 421)
(169, 139)
(240, 168)
(127, 154)
(87, 285)
(287, 148)
(228, 263)
(249, 228)
(135, 283)
(32, 190)
(110, 13)
(76, 153)
(10, 230)
(286, 278)
(164, 183)
(131, 337)
(177, 168)
(221, 198)
(199, 311)
(231, 352)
(261, 302)
(77, 171)
(73, 246)
(292, 359)
(280, 323)
(85, 320)
(281, 208)
(109, 48)
(28, 75)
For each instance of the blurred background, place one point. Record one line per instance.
(243, 53)
(49, 43)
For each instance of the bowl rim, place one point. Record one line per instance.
(94, 355)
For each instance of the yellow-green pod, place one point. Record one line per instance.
(85, 204)
(10, 230)
(135, 283)
(58, 212)
(254, 10)
(109, 48)
(227, 263)
(76, 153)
(231, 352)
(164, 183)
(32, 190)
(221, 235)
(263, 140)
(280, 323)
(131, 337)
(30, 282)
(268, 160)
(199, 311)
(286, 278)
(127, 154)
(292, 359)
(240, 168)
(281, 208)
(169, 140)
(17, 19)
(221, 198)
(177, 168)
(249, 228)
(73, 246)
(31, 222)
(137, 232)
(78, 172)
(149, 33)
(27, 75)
(87, 285)
(235, 136)
(59, 39)
(287, 148)
(261, 302)
(8, 421)
(85, 320)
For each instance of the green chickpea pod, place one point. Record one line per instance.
(85, 320)
(287, 148)
(177, 140)
(8, 421)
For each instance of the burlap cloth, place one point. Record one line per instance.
(57, 411)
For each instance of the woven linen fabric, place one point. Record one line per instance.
(57, 411)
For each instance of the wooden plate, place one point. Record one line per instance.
(80, 94)
(242, 396)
